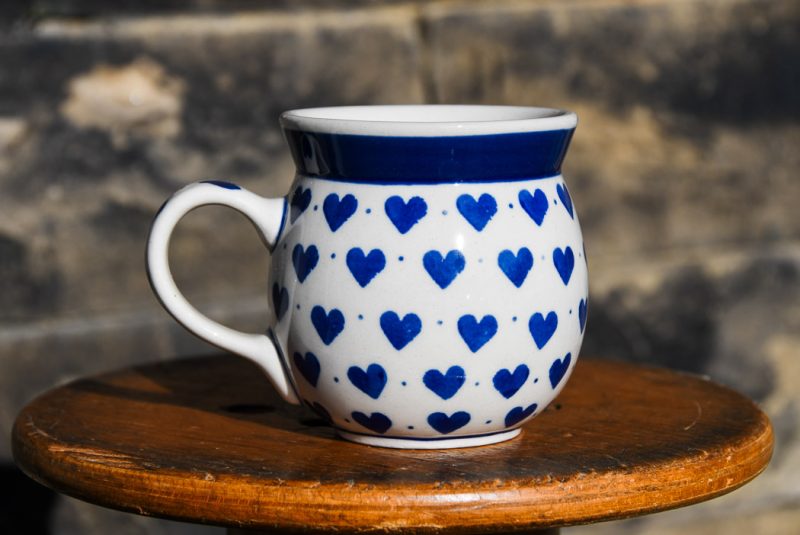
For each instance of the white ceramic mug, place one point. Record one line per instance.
(428, 279)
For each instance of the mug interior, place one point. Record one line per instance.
(427, 120)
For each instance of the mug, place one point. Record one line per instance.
(428, 276)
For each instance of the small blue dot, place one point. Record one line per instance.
(488, 421)
(361, 316)
(335, 379)
(542, 257)
(298, 306)
(477, 383)
(315, 207)
(284, 246)
(333, 255)
(580, 255)
(439, 322)
(411, 427)
(401, 258)
(555, 201)
(403, 383)
(369, 210)
(535, 380)
(514, 318)
(444, 212)
(570, 311)
(511, 205)
(480, 260)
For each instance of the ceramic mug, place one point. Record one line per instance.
(428, 279)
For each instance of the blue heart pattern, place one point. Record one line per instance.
(328, 325)
(517, 414)
(371, 381)
(534, 205)
(364, 267)
(300, 201)
(308, 367)
(476, 333)
(280, 301)
(443, 270)
(447, 424)
(566, 200)
(542, 328)
(477, 213)
(582, 310)
(337, 212)
(558, 369)
(400, 332)
(405, 215)
(377, 422)
(564, 260)
(516, 267)
(508, 383)
(445, 385)
(304, 260)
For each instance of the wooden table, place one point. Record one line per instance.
(205, 440)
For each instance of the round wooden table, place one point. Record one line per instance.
(206, 440)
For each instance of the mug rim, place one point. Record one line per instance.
(427, 120)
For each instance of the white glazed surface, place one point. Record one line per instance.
(405, 286)
(428, 120)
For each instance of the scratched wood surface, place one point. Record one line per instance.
(206, 440)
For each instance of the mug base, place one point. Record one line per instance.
(429, 443)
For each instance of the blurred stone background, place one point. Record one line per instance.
(684, 169)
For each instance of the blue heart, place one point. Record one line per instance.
(582, 310)
(534, 205)
(400, 332)
(443, 270)
(476, 334)
(365, 267)
(558, 369)
(447, 424)
(517, 414)
(566, 200)
(445, 385)
(371, 382)
(376, 421)
(300, 201)
(477, 213)
(329, 325)
(336, 211)
(542, 328)
(308, 367)
(280, 300)
(517, 267)
(405, 215)
(508, 383)
(304, 261)
(564, 262)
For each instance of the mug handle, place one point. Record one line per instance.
(268, 216)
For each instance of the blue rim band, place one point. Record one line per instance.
(423, 160)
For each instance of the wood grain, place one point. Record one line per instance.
(206, 440)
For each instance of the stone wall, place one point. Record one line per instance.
(683, 169)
